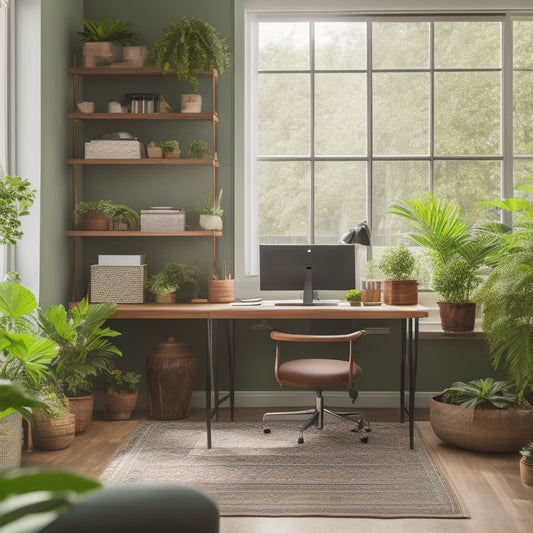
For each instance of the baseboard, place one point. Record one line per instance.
(366, 399)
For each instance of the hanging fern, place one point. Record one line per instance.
(190, 46)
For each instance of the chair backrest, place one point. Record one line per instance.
(349, 338)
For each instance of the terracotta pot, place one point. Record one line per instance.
(82, 408)
(119, 406)
(221, 290)
(175, 154)
(526, 472)
(404, 292)
(169, 298)
(481, 429)
(95, 222)
(53, 433)
(457, 317)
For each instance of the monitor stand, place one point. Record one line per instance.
(308, 292)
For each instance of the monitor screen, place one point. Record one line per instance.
(307, 267)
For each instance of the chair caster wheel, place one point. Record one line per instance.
(364, 439)
(300, 440)
(266, 431)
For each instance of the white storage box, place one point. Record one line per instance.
(122, 259)
(114, 149)
(118, 284)
(162, 219)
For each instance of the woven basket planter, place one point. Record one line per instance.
(10, 441)
(526, 472)
(82, 409)
(481, 429)
(53, 433)
(400, 292)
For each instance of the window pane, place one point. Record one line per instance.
(283, 46)
(340, 114)
(283, 192)
(523, 43)
(283, 114)
(467, 113)
(340, 45)
(340, 198)
(523, 174)
(468, 183)
(392, 180)
(523, 112)
(467, 45)
(401, 114)
(400, 45)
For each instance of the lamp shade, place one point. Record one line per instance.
(358, 235)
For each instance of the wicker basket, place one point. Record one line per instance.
(118, 284)
(10, 441)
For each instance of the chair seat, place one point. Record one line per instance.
(316, 373)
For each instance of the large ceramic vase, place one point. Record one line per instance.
(481, 429)
(82, 408)
(119, 406)
(53, 433)
(457, 318)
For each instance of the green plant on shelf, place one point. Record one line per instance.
(127, 215)
(94, 207)
(199, 149)
(108, 30)
(119, 382)
(353, 295)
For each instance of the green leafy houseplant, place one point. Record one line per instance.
(84, 346)
(175, 277)
(119, 382)
(397, 263)
(480, 392)
(188, 47)
(97, 207)
(456, 281)
(353, 296)
(127, 215)
(108, 30)
(16, 197)
(199, 149)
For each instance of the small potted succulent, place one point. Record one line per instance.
(211, 213)
(354, 297)
(398, 265)
(159, 149)
(120, 394)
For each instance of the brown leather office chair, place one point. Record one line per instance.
(318, 374)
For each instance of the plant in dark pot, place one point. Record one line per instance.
(438, 227)
(120, 394)
(85, 351)
(188, 47)
(175, 282)
(398, 266)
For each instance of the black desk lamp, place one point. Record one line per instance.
(360, 234)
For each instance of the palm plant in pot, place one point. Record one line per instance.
(85, 351)
(456, 253)
(398, 266)
(120, 394)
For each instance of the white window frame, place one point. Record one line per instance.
(246, 13)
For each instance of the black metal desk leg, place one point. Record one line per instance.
(413, 363)
(403, 355)
(231, 361)
(209, 378)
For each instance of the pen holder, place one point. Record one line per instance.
(221, 290)
(370, 292)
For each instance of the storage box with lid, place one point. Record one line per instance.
(118, 284)
(114, 149)
(163, 219)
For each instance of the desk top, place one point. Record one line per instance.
(267, 310)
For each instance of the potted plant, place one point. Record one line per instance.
(120, 394)
(175, 281)
(438, 226)
(221, 286)
(188, 47)
(159, 149)
(211, 213)
(353, 296)
(93, 215)
(84, 351)
(103, 40)
(124, 218)
(482, 415)
(398, 266)
(199, 149)
(16, 197)
(526, 464)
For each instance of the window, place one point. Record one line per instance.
(348, 113)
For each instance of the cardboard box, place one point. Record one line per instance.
(115, 149)
(163, 220)
(118, 284)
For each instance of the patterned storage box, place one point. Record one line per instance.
(118, 284)
(162, 220)
(114, 149)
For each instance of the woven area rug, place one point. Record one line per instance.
(249, 473)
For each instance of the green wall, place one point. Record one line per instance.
(440, 362)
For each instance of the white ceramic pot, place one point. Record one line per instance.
(191, 103)
(211, 222)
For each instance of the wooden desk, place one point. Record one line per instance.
(409, 316)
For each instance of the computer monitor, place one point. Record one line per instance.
(307, 267)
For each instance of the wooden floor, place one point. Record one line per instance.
(489, 485)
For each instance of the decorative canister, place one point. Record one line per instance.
(170, 373)
(221, 290)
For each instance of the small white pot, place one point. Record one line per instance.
(211, 222)
(134, 56)
(191, 103)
